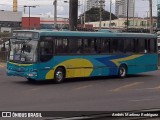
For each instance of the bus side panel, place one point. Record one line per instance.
(80, 66)
(44, 68)
(102, 65)
(110, 64)
(144, 63)
(95, 65)
(147, 62)
(75, 66)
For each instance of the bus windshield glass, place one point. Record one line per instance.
(23, 50)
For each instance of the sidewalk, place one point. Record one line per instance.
(2, 64)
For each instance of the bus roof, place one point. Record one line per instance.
(90, 34)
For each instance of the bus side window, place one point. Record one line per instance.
(75, 46)
(153, 45)
(141, 45)
(97, 45)
(46, 50)
(146, 50)
(105, 45)
(136, 47)
(89, 46)
(61, 46)
(129, 46)
(114, 46)
(121, 45)
(80, 47)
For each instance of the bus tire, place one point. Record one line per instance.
(31, 80)
(122, 72)
(59, 75)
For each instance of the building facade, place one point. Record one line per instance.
(95, 4)
(43, 22)
(10, 20)
(121, 8)
(121, 23)
(31, 23)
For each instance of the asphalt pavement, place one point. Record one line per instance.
(135, 92)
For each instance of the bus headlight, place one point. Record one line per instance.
(32, 74)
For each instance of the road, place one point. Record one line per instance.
(97, 94)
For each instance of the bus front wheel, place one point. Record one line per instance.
(122, 71)
(59, 75)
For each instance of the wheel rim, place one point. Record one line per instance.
(59, 76)
(122, 72)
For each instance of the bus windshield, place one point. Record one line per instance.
(23, 51)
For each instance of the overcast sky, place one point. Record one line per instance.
(46, 7)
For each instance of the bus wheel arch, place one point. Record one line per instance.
(59, 74)
(123, 70)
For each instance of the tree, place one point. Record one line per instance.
(113, 24)
(129, 23)
(125, 23)
(93, 15)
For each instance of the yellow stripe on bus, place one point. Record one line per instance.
(74, 68)
(117, 61)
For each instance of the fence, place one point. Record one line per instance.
(3, 56)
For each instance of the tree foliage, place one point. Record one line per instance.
(93, 15)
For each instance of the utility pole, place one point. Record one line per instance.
(100, 20)
(24, 10)
(151, 19)
(55, 13)
(81, 5)
(73, 14)
(133, 12)
(110, 14)
(29, 7)
(127, 14)
(147, 20)
(84, 12)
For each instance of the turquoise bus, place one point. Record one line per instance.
(57, 55)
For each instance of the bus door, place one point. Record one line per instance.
(46, 53)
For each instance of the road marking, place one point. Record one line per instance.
(31, 90)
(126, 86)
(141, 100)
(83, 87)
(154, 88)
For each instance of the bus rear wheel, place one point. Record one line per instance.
(59, 75)
(122, 71)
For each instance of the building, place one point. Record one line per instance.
(10, 20)
(43, 22)
(121, 8)
(158, 16)
(48, 23)
(121, 23)
(117, 7)
(31, 23)
(95, 4)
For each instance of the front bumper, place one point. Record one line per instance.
(32, 75)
